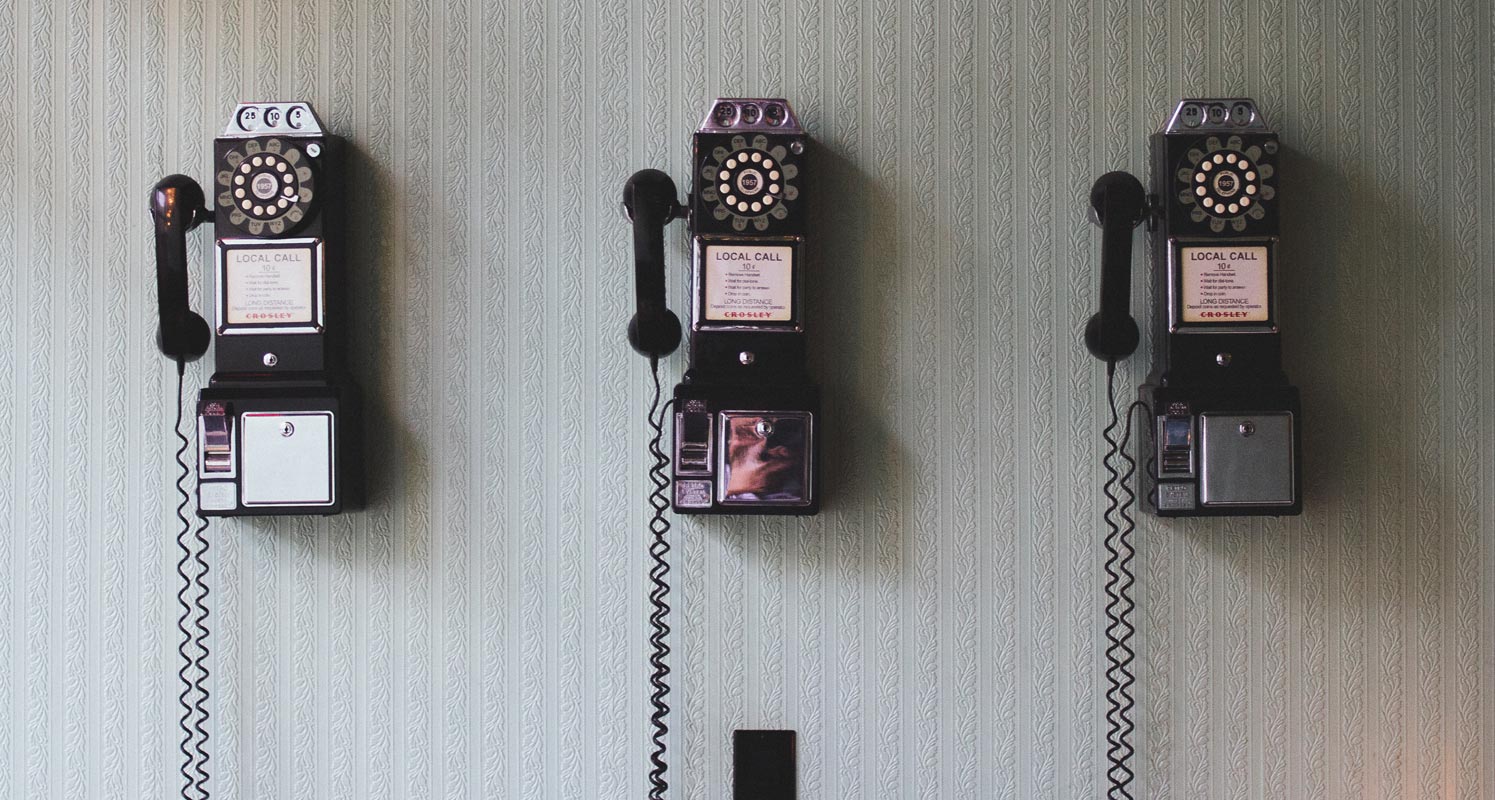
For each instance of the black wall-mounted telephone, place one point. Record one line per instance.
(746, 413)
(1224, 436)
(278, 426)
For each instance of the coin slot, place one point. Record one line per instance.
(724, 114)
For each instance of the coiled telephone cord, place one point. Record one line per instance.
(659, 525)
(193, 597)
(1120, 497)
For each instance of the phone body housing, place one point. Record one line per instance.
(1225, 437)
(279, 425)
(746, 414)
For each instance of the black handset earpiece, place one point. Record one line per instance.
(1120, 204)
(649, 200)
(177, 206)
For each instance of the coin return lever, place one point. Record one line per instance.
(217, 440)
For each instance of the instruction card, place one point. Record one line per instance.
(268, 286)
(749, 283)
(1224, 284)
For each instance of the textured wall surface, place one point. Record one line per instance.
(479, 630)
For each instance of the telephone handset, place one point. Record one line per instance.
(278, 426)
(177, 207)
(1118, 203)
(1224, 435)
(649, 202)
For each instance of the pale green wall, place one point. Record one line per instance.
(479, 630)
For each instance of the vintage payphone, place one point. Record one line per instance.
(278, 427)
(1225, 426)
(746, 411)
(1222, 430)
(278, 424)
(746, 416)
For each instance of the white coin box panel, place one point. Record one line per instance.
(288, 459)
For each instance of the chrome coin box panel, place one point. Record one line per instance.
(1248, 459)
(737, 453)
(1223, 452)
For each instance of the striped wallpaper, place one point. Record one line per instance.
(479, 630)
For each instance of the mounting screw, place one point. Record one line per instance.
(313, 149)
(746, 358)
(1223, 359)
(796, 147)
(764, 428)
(270, 359)
(1247, 428)
(286, 429)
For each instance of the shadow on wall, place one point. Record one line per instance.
(1313, 251)
(1341, 239)
(851, 283)
(1339, 231)
(1342, 280)
(374, 270)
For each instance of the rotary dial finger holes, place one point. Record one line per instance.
(751, 182)
(264, 186)
(1225, 184)
(268, 185)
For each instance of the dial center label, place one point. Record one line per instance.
(749, 283)
(264, 185)
(264, 285)
(1225, 283)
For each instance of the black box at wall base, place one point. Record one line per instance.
(763, 765)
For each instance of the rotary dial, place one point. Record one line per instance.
(1227, 183)
(268, 186)
(749, 183)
